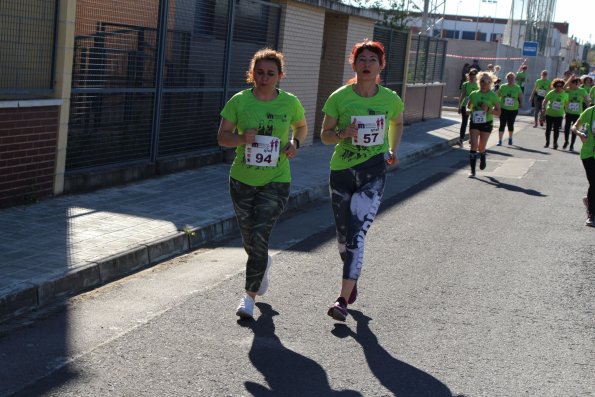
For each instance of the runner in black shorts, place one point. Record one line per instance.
(484, 105)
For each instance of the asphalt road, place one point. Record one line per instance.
(471, 287)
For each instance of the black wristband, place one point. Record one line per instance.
(297, 142)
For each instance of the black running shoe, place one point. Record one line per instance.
(338, 311)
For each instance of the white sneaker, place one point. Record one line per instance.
(246, 308)
(264, 284)
(589, 222)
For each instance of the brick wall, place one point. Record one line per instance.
(301, 43)
(27, 152)
(359, 29)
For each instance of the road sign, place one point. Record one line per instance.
(530, 48)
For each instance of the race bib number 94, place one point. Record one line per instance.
(370, 130)
(264, 152)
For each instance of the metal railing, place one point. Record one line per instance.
(27, 48)
(150, 86)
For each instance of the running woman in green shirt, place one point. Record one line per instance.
(484, 105)
(577, 96)
(364, 121)
(521, 76)
(588, 157)
(467, 88)
(554, 104)
(260, 177)
(511, 98)
(542, 86)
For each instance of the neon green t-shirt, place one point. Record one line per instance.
(556, 103)
(576, 97)
(468, 88)
(592, 94)
(271, 118)
(520, 78)
(542, 87)
(509, 96)
(478, 98)
(343, 104)
(586, 118)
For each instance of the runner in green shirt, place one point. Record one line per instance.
(484, 104)
(542, 86)
(365, 122)
(587, 84)
(466, 89)
(588, 157)
(511, 98)
(554, 104)
(260, 176)
(574, 107)
(521, 76)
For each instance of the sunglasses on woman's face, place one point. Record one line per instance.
(485, 81)
(558, 86)
(575, 81)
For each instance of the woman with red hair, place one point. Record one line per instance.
(364, 121)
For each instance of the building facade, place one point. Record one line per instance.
(131, 90)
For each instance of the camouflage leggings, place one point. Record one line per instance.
(257, 210)
(355, 197)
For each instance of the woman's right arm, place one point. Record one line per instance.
(330, 136)
(576, 130)
(227, 138)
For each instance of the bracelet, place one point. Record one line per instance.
(297, 142)
(338, 134)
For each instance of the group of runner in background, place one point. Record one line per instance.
(568, 98)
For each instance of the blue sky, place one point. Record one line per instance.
(580, 14)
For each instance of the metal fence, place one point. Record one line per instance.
(27, 45)
(427, 56)
(151, 76)
(395, 46)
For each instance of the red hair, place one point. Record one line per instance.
(374, 46)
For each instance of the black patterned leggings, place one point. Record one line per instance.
(257, 210)
(355, 197)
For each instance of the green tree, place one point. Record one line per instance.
(395, 13)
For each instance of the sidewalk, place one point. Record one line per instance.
(69, 244)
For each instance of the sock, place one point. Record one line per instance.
(472, 160)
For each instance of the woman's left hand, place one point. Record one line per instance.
(290, 150)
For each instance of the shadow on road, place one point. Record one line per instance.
(495, 182)
(287, 373)
(524, 149)
(400, 378)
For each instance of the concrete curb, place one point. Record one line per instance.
(30, 296)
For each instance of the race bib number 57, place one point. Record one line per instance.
(264, 152)
(370, 130)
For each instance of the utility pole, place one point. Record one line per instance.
(424, 19)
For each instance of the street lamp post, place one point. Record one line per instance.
(456, 20)
(478, 10)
